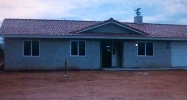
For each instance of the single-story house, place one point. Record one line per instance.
(39, 44)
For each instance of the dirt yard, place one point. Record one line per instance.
(94, 85)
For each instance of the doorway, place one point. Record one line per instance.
(111, 54)
(106, 49)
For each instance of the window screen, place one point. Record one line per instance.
(27, 48)
(31, 48)
(35, 48)
(145, 48)
(74, 48)
(141, 48)
(78, 48)
(81, 48)
(149, 48)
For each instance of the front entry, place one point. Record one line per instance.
(106, 49)
(111, 53)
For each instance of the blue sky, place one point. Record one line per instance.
(153, 11)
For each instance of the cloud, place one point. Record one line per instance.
(20, 8)
(157, 11)
(33, 8)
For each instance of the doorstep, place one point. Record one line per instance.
(141, 69)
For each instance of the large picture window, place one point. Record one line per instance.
(78, 48)
(145, 48)
(31, 48)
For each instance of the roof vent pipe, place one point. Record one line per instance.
(138, 19)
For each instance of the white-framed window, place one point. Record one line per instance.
(31, 48)
(78, 48)
(145, 49)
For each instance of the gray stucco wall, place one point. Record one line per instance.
(161, 58)
(52, 55)
(54, 51)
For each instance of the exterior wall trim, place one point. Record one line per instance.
(93, 37)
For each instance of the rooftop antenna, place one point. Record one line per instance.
(137, 11)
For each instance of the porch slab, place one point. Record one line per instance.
(141, 69)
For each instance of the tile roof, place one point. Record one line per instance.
(161, 30)
(42, 27)
(71, 27)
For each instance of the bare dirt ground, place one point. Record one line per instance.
(94, 85)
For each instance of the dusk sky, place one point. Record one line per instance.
(153, 11)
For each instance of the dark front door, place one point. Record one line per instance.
(106, 54)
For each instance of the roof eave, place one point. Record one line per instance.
(94, 37)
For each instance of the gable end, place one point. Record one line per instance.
(111, 26)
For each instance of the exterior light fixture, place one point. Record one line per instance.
(136, 44)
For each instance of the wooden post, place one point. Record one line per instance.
(65, 69)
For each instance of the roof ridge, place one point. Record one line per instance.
(166, 24)
(156, 24)
(92, 21)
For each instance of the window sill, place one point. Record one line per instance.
(144, 56)
(76, 56)
(31, 56)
